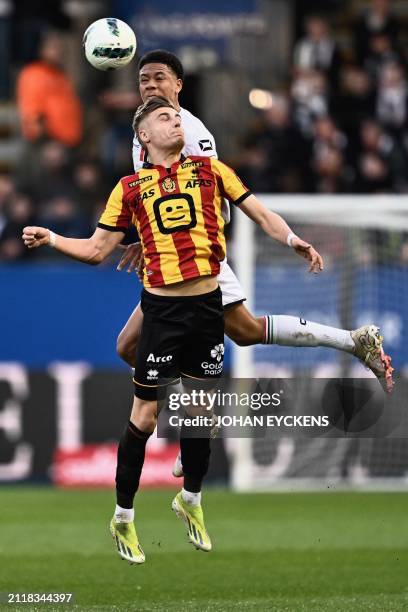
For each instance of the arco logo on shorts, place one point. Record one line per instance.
(164, 359)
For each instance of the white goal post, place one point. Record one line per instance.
(364, 241)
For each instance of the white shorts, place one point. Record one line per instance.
(232, 292)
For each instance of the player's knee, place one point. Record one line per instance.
(146, 421)
(147, 424)
(144, 415)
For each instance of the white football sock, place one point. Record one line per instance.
(124, 515)
(293, 331)
(191, 498)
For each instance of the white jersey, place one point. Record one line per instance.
(198, 141)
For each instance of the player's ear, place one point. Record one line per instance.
(143, 136)
(179, 85)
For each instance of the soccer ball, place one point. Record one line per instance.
(109, 44)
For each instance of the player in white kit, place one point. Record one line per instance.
(161, 74)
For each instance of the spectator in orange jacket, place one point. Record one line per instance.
(48, 104)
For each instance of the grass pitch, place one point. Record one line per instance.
(272, 552)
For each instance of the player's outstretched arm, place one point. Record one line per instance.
(279, 230)
(91, 250)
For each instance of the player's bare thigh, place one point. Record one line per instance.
(128, 337)
(242, 326)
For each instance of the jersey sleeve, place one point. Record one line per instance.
(231, 185)
(199, 140)
(205, 147)
(117, 215)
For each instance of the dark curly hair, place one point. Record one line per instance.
(161, 56)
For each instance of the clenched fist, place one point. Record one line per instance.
(33, 237)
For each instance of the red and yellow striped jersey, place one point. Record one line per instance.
(177, 212)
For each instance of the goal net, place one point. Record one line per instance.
(364, 242)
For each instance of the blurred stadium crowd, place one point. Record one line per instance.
(342, 125)
(338, 125)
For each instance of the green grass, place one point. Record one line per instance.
(272, 552)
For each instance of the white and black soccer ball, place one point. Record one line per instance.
(109, 44)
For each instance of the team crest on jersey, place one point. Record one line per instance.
(168, 184)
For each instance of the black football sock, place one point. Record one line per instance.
(131, 454)
(195, 457)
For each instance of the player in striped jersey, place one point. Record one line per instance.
(161, 73)
(178, 215)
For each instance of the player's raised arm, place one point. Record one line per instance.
(91, 250)
(277, 228)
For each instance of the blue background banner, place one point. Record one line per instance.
(210, 24)
(65, 313)
(74, 312)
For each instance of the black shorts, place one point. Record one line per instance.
(180, 337)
